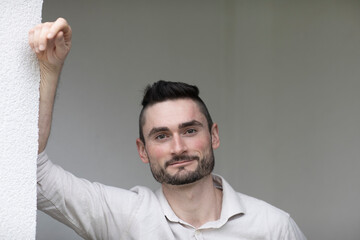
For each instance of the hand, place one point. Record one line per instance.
(51, 41)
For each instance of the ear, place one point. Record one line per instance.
(215, 139)
(142, 151)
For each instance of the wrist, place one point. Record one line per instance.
(50, 69)
(49, 75)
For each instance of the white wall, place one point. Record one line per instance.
(280, 78)
(19, 95)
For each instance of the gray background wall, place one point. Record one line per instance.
(281, 78)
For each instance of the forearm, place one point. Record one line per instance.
(51, 41)
(48, 84)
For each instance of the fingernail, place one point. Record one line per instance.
(41, 47)
(50, 35)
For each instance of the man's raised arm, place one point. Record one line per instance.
(51, 42)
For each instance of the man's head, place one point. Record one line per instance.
(162, 91)
(177, 135)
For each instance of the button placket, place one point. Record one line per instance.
(198, 235)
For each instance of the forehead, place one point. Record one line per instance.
(172, 112)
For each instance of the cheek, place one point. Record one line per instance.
(157, 152)
(199, 144)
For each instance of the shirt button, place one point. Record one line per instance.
(197, 233)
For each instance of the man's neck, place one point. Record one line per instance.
(196, 203)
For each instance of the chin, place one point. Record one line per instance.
(184, 178)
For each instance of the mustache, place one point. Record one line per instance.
(180, 158)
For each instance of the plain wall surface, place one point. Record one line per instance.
(281, 78)
(19, 107)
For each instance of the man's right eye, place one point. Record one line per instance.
(160, 137)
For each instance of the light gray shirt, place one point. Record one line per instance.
(96, 211)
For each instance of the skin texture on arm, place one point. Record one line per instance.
(51, 41)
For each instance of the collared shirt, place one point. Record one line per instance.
(96, 211)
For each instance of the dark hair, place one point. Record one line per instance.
(161, 91)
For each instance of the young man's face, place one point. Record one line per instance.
(179, 146)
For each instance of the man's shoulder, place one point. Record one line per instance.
(262, 210)
(251, 207)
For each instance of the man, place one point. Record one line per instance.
(177, 138)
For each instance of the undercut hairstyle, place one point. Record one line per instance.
(161, 91)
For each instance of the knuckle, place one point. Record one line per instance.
(62, 20)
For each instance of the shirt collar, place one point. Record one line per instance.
(231, 205)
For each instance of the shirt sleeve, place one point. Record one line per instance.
(92, 210)
(293, 232)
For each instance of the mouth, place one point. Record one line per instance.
(181, 161)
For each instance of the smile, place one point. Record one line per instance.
(181, 163)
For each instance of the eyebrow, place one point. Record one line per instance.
(157, 129)
(181, 125)
(189, 124)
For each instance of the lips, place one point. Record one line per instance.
(180, 160)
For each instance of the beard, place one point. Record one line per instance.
(182, 176)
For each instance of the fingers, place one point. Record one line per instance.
(37, 37)
(60, 25)
(46, 33)
(42, 36)
(60, 44)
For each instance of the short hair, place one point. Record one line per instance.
(161, 91)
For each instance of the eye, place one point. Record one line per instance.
(160, 136)
(190, 131)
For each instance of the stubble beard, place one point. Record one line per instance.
(183, 176)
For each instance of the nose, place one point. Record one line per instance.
(178, 145)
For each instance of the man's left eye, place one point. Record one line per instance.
(190, 131)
